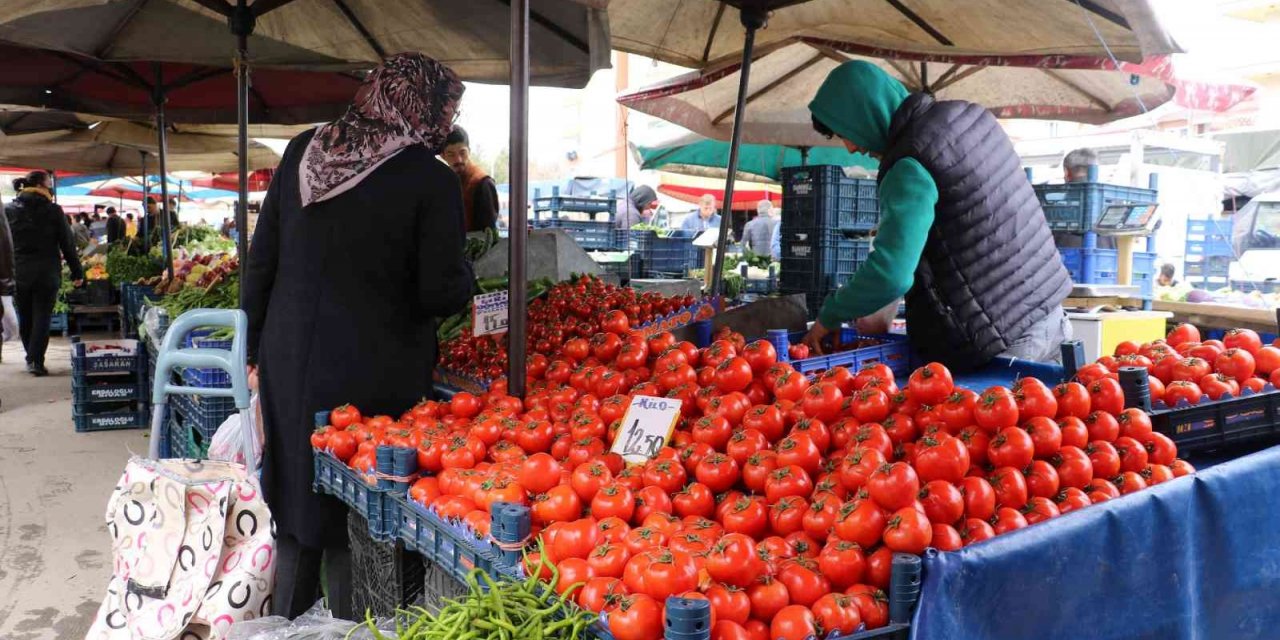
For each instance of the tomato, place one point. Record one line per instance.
(1008, 519)
(608, 560)
(1102, 426)
(879, 569)
(344, 416)
(908, 531)
(1256, 385)
(872, 604)
(943, 503)
(1155, 474)
(976, 441)
(786, 516)
(612, 529)
(900, 428)
(614, 500)
(793, 622)
(804, 582)
(979, 497)
(1104, 458)
(1266, 360)
(558, 504)
(1039, 509)
(642, 539)
(712, 430)
(894, 486)
(696, 499)
(996, 409)
(787, 481)
(765, 418)
(1217, 385)
(1182, 391)
(744, 443)
(956, 411)
(873, 436)
(733, 560)
(1074, 431)
(976, 530)
(718, 472)
(1042, 479)
(842, 562)
(748, 516)
(1010, 487)
(1133, 456)
(1073, 466)
(320, 438)
(650, 500)
(820, 518)
(1189, 369)
(1238, 364)
(757, 469)
(539, 473)
(1244, 339)
(1034, 398)
(836, 613)
(733, 374)
(800, 450)
(1181, 468)
(816, 430)
(1161, 449)
(667, 475)
(1012, 447)
(453, 507)
(635, 617)
(861, 522)
(930, 384)
(1183, 333)
(693, 453)
(1129, 482)
(587, 479)
(1106, 395)
(822, 401)
(598, 591)
(342, 444)
(941, 457)
(856, 467)
(790, 386)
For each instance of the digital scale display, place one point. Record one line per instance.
(1127, 219)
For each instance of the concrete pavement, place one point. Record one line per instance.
(55, 556)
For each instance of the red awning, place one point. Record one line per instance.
(741, 199)
(258, 181)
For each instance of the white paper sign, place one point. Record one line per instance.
(489, 313)
(645, 428)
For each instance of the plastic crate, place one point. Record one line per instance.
(98, 293)
(557, 203)
(59, 323)
(358, 492)
(1209, 237)
(88, 391)
(657, 255)
(1197, 248)
(1207, 267)
(1076, 206)
(203, 414)
(893, 350)
(760, 286)
(98, 417)
(439, 585)
(1106, 265)
(821, 196)
(821, 252)
(384, 575)
(1261, 286)
(1213, 424)
(1144, 273)
(588, 234)
(106, 356)
(453, 547)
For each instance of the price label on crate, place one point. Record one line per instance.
(489, 313)
(645, 428)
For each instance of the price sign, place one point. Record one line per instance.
(645, 428)
(489, 313)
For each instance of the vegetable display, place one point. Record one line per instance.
(1185, 369)
(779, 498)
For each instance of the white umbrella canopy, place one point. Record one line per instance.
(700, 33)
(784, 79)
(117, 148)
(569, 39)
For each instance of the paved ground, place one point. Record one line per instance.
(54, 484)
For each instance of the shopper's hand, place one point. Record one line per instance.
(251, 371)
(813, 339)
(78, 283)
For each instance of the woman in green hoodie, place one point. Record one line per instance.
(961, 233)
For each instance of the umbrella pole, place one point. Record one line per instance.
(517, 299)
(753, 19)
(143, 227)
(804, 156)
(162, 140)
(242, 22)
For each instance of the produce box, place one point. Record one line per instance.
(450, 546)
(1214, 424)
(97, 417)
(891, 349)
(821, 196)
(385, 576)
(659, 255)
(1076, 206)
(358, 492)
(83, 392)
(105, 356)
(701, 310)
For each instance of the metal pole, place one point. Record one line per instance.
(242, 22)
(143, 227)
(157, 96)
(517, 298)
(752, 19)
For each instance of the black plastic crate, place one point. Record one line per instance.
(822, 252)
(821, 196)
(98, 293)
(656, 255)
(384, 575)
(1076, 206)
(107, 390)
(438, 585)
(590, 235)
(556, 203)
(109, 416)
(1213, 424)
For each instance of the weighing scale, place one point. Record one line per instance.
(1124, 222)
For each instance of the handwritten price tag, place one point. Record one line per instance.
(645, 428)
(489, 313)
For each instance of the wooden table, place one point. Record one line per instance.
(1221, 316)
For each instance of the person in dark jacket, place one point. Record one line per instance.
(479, 192)
(961, 232)
(115, 226)
(40, 232)
(359, 246)
(6, 276)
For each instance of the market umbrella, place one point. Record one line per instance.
(784, 80)
(690, 189)
(698, 156)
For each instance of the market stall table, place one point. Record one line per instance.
(1220, 316)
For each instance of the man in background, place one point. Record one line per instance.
(116, 227)
(642, 202)
(757, 235)
(1075, 168)
(705, 218)
(479, 191)
(1166, 279)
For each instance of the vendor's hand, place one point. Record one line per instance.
(872, 325)
(78, 283)
(813, 339)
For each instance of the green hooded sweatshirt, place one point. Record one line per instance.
(857, 102)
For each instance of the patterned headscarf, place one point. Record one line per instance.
(409, 99)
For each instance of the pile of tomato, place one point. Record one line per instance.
(779, 498)
(1185, 369)
(574, 309)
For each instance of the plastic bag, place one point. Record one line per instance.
(8, 323)
(228, 443)
(316, 624)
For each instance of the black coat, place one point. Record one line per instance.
(341, 298)
(41, 238)
(115, 229)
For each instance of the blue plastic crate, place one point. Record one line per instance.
(1106, 265)
(203, 413)
(1076, 206)
(358, 492)
(206, 378)
(93, 417)
(590, 235)
(556, 203)
(86, 360)
(451, 546)
(1144, 273)
(1209, 237)
(821, 252)
(1261, 286)
(87, 390)
(1213, 424)
(1207, 267)
(893, 351)
(59, 323)
(821, 196)
(655, 255)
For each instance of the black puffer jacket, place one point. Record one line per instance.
(40, 232)
(990, 268)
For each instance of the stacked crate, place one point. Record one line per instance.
(108, 385)
(1074, 208)
(193, 419)
(824, 232)
(1209, 255)
(592, 234)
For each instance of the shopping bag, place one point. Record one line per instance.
(228, 443)
(9, 323)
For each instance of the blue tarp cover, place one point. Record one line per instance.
(1196, 557)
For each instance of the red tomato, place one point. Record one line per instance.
(1105, 394)
(1181, 468)
(1217, 385)
(539, 473)
(1161, 449)
(635, 617)
(1180, 391)
(757, 469)
(873, 605)
(930, 384)
(800, 450)
(822, 401)
(856, 467)
(1133, 456)
(712, 430)
(957, 411)
(1154, 474)
(900, 428)
(1246, 339)
(790, 386)
(1129, 482)
(1012, 447)
(1039, 509)
(1102, 426)
(1073, 466)
(976, 441)
(1070, 499)
(821, 517)
(894, 486)
(979, 498)
(747, 516)
(1267, 360)
(1183, 333)
(786, 516)
(787, 481)
(976, 530)
(946, 538)
(1074, 432)
(861, 522)
(996, 409)
(941, 457)
(1042, 479)
(836, 613)
(1188, 369)
(842, 562)
(608, 560)
(908, 531)
(1104, 459)
(744, 443)
(733, 560)
(1034, 399)
(943, 503)
(1008, 519)
(768, 596)
(614, 500)
(1046, 436)
(1010, 487)
(588, 478)
(696, 499)
(718, 472)
(765, 418)
(598, 591)
(804, 582)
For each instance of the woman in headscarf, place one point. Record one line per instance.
(357, 249)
